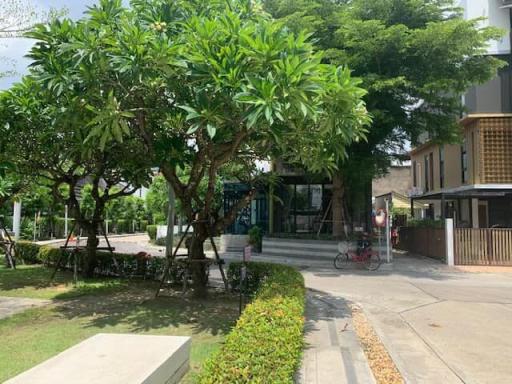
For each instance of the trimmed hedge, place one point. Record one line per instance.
(27, 251)
(266, 344)
(124, 264)
(123, 226)
(152, 231)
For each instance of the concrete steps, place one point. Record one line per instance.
(296, 248)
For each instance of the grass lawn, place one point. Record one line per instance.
(34, 281)
(104, 306)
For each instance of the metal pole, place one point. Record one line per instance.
(66, 220)
(35, 226)
(16, 220)
(388, 233)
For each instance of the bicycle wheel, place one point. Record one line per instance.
(341, 260)
(372, 263)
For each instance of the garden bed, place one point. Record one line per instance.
(117, 265)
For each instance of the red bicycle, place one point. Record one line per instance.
(363, 255)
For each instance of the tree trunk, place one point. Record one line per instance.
(90, 261)
(169, 239)
(197, 256)
(338, 196)
(369, 206)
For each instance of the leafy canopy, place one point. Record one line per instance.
(203, 85)
(416, 58)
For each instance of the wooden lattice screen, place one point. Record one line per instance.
(496, 150)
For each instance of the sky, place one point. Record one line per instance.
(16, 49)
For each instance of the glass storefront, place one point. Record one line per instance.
(298, 208)
(255, 214)
(301, 208)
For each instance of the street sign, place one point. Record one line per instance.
(380, 218)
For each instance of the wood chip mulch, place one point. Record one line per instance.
(381, 364)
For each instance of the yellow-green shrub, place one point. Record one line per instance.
(266, 344)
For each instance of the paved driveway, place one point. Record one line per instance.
(440, 325)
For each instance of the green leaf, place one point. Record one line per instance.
(211, 130)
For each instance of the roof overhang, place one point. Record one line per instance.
(468, 191)
(478, 116)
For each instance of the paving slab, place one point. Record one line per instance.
(439, 324)
(474, 339)
(333, 353)
(415, 359)
(12, 305)
(115, 359)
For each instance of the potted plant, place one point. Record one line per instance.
(255, 238)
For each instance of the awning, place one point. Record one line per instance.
(468, 191)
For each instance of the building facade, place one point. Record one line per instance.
(472, 181)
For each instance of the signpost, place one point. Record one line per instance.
(388, 234)
(243, 274)
(383, 222)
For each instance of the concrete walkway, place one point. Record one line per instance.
(11, 305)
(440, 325)
(333, 353)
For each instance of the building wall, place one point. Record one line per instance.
(489, 155)
(453, 168)
(398, 179)
(495, 95)
(495, 15)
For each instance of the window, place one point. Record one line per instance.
(426, 173)
(464, 161)
(431, 170)
(414, 175)
(441, 167)
(306, 207)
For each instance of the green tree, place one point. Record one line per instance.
(416, 59)
(206, 86)
(42, 133)
(157, 203)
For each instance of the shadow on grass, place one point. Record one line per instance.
(128, 305)
(135, 309)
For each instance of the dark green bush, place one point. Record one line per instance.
(143, 225)
(255, 237)
(151, 229)
(121, 264)
(256, 273)
(425, 223)
(266, 344)
(49, 255)
(122, 226)
(27, 251)
(161, 241)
